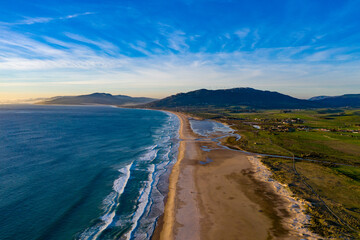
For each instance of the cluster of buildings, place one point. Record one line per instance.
(280, 125)
(291, 125)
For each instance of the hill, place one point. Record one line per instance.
(347, 100)
(97, 98)
(232, 97)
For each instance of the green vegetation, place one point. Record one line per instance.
(331, 137)
(338, 191)
(315, 134)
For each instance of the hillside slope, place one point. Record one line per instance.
(97, 98)
(347, 100)
(232, 97)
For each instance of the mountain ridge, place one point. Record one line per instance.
(241, 97)
(232, 97)
(346, 100)
(97, 98)
(252, 98)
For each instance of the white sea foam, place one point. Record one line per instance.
(111, 203)
(150, 201)
(151, 155)
(166, 155)
(120, 183)
(150, 204)
(143, 202)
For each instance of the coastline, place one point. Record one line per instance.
(166, 225)
(169, 211)
(222, 194)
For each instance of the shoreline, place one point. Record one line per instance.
(224, 198)
(168, 218)
(166, 223)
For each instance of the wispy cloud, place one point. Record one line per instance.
(105, 46)
(140, 47)
(177, 41)
(242, 33)
(29, 21)
(35, 20)
(20, 52)
(76, 15)
(173, 60)
(174, 39)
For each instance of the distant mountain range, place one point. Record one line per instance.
(347, 100)
(203, 98)
(97, 98)
(252, 98)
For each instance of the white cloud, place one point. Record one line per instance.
(242, 33)
(102, 44)
(140, 48)
(34, 20)
(76, 15)
(28, 63)
(29, 21)
(175, 39)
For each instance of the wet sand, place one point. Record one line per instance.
(216, 195)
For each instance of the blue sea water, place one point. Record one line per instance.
(83, 172)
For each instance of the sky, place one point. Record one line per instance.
(155, 48)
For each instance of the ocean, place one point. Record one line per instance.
(83, 172)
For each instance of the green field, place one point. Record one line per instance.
(326, 134)
(340, 192)
(329, 136)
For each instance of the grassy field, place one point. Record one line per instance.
(341, 193)
(329, 136)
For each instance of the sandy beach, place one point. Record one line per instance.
(223, 194)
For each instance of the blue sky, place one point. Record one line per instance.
(156, 48)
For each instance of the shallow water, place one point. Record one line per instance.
(83, 172)
(208, 127)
